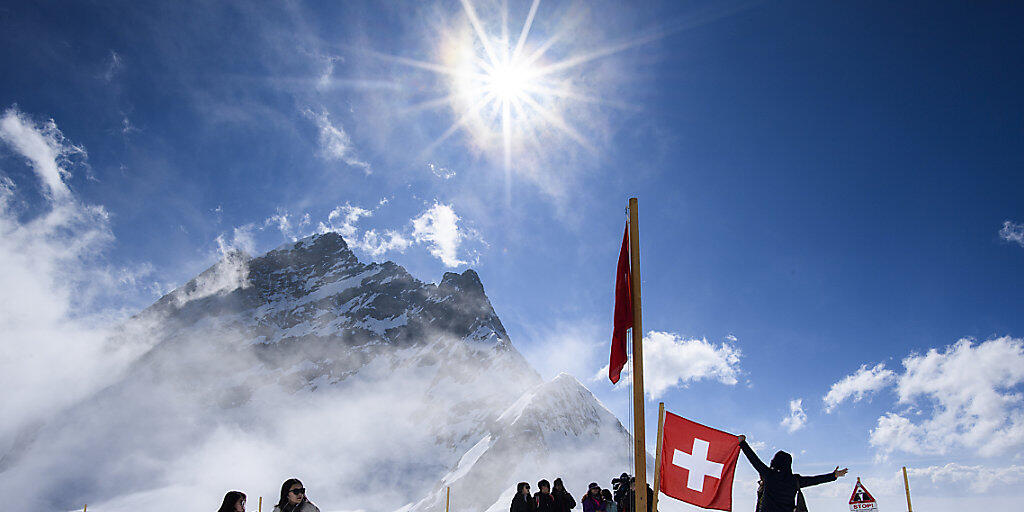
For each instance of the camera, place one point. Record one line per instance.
(622, 482)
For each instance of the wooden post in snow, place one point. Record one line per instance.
(639, 437)
(657, 456)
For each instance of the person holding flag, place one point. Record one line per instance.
(781, 485)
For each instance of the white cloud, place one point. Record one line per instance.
(797, 418)
(438, 227)
(441, 172)
(343, 220)
(346, 217)
(1012, 232)
(673, 361)
(335, 144)
(44, 146)
(969, 395)
(858, 385)
(54, 335)
(976, 478)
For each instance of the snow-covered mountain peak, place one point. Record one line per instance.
(373, 377)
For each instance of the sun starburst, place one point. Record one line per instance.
(508, 95)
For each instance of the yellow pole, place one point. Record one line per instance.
(86, 507)
(447, 498)
(639, 437)
(259, 507)
(906, 485)
(657, 456)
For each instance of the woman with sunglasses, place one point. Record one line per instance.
(293, 498)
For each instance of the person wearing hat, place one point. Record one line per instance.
(564, 501)
(592, 502)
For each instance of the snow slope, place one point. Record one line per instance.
(375, 388)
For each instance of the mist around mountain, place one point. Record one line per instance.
(376, 389)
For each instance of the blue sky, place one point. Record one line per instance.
(821, 187)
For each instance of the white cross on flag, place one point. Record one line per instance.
(697, 463)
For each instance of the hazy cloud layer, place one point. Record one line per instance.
(55, 348)
(976, 478)
(335, 144)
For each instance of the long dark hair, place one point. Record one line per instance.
(230, 499)
(284, 491)
(558, 485)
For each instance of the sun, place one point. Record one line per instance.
(508, 81)
(507, 94)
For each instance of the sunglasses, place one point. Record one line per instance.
(300, 490)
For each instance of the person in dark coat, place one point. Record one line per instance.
(627, 503)
(522, 501)
(592, 502)
(609, 502)
(564, 501)
(545, 501)
(780, 483)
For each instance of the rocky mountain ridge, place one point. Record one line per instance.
(391, 389)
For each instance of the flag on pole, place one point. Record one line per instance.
(697, 463)
(623, 311)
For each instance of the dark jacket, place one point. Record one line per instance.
(522, 503)
(564, 501)
(592, 505)
(626, 505)
(780, 483)
(545, 502)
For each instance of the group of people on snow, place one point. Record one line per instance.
(778, 491)
(293, 499)
(595, 499)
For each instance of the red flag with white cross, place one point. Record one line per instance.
(698, 463)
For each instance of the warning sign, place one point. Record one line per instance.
(861, 500)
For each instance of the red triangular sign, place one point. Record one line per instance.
(861, 499)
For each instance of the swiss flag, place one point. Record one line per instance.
(623, 311)
(697, 463)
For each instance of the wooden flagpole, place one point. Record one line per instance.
(657, 456)
(639, 437)
(906, 485)
(259, 506)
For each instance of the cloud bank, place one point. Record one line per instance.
(54, 346)
(967, 396)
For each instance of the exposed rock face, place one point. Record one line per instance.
(307, 361)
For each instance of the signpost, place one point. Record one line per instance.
(861, 500)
